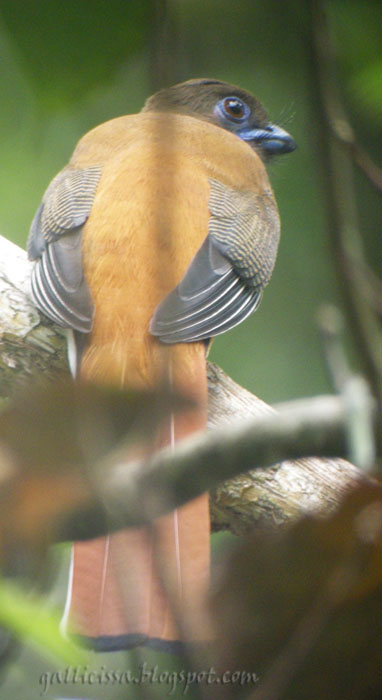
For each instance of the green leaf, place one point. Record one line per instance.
(29, 619)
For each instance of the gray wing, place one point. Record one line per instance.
(59, 288)
(226, 278)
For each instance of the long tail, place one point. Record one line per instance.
(147, 586)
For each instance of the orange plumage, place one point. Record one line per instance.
(148, 178)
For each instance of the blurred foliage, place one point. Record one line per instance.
(303, 607)
(62, 41)
(29, 618)
(358, 30)
(54, 439)
(68, 66)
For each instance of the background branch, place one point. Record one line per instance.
(338, 182)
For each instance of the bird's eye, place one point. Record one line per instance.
(234, 108)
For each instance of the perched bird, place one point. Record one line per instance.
(160, 233)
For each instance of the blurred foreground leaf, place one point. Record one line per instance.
(303, 608)
(28, 618)
(53, 439)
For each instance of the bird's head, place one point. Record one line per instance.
(227, 106)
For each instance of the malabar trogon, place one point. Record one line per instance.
(160, 233)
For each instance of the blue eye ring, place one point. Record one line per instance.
(233, 108)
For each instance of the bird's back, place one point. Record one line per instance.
(151, 204)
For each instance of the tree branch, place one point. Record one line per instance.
(245, 434)
(29, 344)
(135, 493)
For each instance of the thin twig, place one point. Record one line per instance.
(345, 136)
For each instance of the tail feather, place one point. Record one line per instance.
(116, 588)
(148, 585)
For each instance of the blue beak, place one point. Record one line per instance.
(272, 139)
